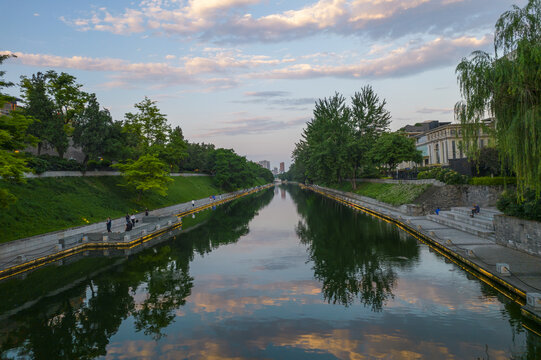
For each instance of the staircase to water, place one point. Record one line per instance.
(459, 218)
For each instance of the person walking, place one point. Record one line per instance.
(109, 223)
(146, 212)
(193, 203)
(132, 218)
(127, 218)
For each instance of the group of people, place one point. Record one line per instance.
(130, 222)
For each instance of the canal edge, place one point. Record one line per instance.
(61, 254)
(507, 289)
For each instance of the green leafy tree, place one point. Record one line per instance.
(39, 106)
(54, 100)
(393, 148)
(148, 173)
(175, 150)
(507, 87)
(95, 131)
(13, 138)
(326, 140)
(148, 127)
(370, 119)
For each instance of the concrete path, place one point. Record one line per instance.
(478, 251)
(24, 251)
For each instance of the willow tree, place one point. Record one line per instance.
(507, 87)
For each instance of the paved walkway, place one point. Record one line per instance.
(23, 251)
(479, 252)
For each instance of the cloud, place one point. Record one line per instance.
(217, 69)
(434, 110)
(266, 94)
(401, 61)
(230, 20)
(255, 125)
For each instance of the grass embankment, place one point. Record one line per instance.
(394, 194)
(51, 204)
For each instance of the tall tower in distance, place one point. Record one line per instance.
(282, 168)
(265, 164)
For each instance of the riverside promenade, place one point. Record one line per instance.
(515, 274)
(19, 256)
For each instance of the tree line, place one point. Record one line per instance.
(143, 146)
(344, 141)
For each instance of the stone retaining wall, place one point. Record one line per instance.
(524, 235)
(449, 196)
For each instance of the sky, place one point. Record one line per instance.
(245, 74)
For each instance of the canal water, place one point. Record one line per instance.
(283, 274)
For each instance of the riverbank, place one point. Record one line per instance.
(518, 278)
(17, 257)
(51, 204)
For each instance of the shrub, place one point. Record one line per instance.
(487, 180)
(44, 163)
(446, 176)
(529, 208)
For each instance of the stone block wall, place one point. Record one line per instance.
(449, 196)
(523, 235)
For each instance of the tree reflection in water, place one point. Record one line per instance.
(79, 322)
(354, 256)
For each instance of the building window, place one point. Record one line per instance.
(453, 147)
(482, 143)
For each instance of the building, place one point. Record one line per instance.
(445, 143)
(265, 164)
(282, 168)
(8, 107)
(275, 171)
(423, 127)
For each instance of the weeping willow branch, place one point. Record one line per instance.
(508, 89)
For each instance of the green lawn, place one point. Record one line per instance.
(51, 204)
(394, 194)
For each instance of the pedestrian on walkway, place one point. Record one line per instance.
(193, 203)
(146, 212)
(127, 218)
(109, 223)
(132, 218)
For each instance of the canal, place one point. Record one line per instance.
(282, 274)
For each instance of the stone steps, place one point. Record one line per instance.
(482, 222)
(463, 226)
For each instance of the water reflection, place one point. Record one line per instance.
(148, 287)
(354, 257)
(207, 295)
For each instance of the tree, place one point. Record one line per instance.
(94, 131)
(148, 127)
(175, 149)
(46, 126)
(148, 173)
(507, 87)
(53, 99)
(393, 148)
(325, 141)
(13, 138)
(370, 119)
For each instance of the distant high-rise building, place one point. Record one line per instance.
(265, 164)
(275, 171)
(282, 168)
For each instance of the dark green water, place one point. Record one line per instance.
(284, 274)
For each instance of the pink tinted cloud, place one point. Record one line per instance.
(230, 19)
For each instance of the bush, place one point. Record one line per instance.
(529, 208)
(487, 180)
(44, 163)
(446, 176)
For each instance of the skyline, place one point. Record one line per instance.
(245, 74)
